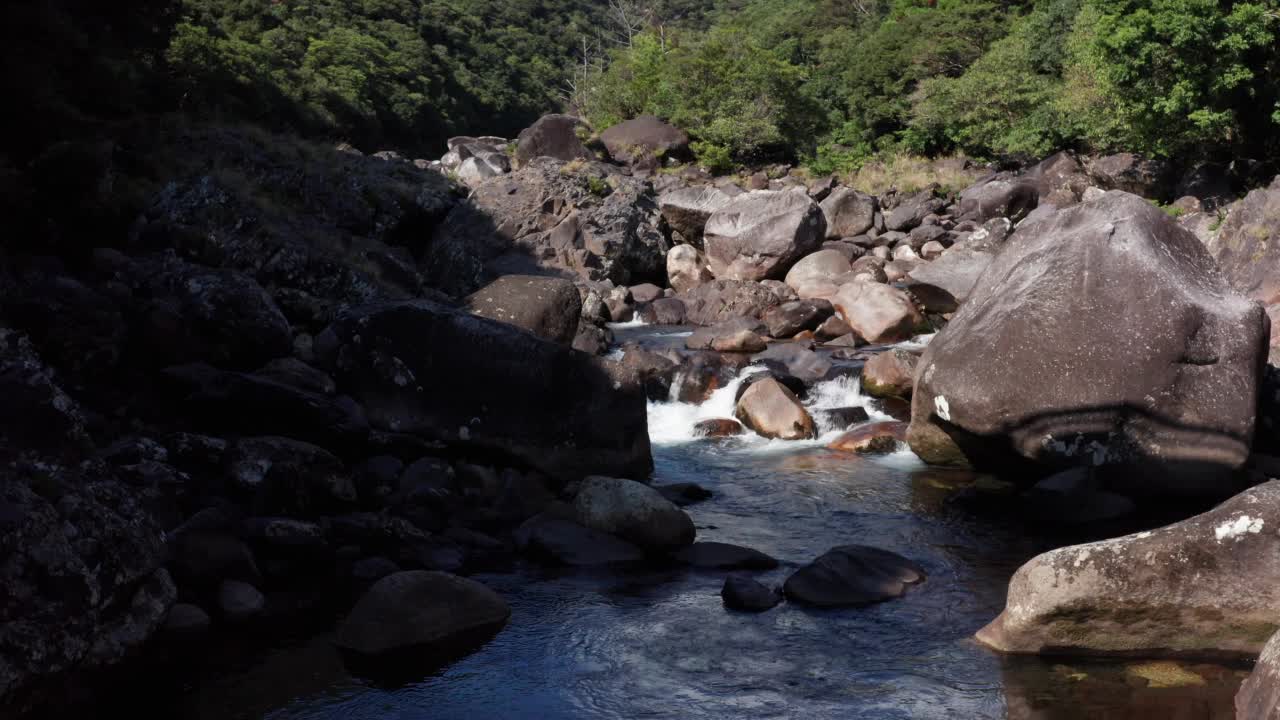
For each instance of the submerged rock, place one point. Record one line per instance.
(419, 609)
(684, 493)
(1207, 586)
(743, 592)
(853, 575)
(718, 427)
(565, 542)
(1128, 347)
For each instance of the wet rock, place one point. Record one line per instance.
(798, 360)
(1203, 586)
(633, 511)
(497, 388)
(718, 428)
(240, 601)
(878, 313)
(1178, 343)
(644, 139)
(683, 494)
(702, 374)
(943, 285)
(688, 209)
(875, 439)
(664, 311)
(721, 300)
(789, 381)
(724, 556)
(687, 268)
(552, 136)
(890, 374)
(743, 592)
(419, 609)
(762, 234)
(557, 540)
(832, 328)
(276, 475)
(852, 575)
(653, 371)
(186, 619)
(790, 318)
(741, 341)
(547, 307)
(848, 213)
(771, 410)
(1259, 696)
(841, 417)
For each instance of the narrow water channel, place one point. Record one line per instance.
(659, 643)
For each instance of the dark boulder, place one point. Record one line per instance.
(852, 575)
(419, 609)
(545, 306)
(998, 198)
(494, 389)
(644, 138)
(718, 428)
(725, 557)
(1132, 174)
(785, 320)
(720, 300)
(553, 539)
(743, 592)
(1152, 365)
(943, 285)
(683, 494)
(280, 476)
(848, 213)
(634, 512)
(552, 136)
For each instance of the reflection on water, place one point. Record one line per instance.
(659, 643)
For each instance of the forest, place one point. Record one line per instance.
(829, 83)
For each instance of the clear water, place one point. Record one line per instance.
(659, 643)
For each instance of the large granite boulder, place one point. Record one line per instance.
(552, 136)
(998, 198)
(849, 213)
(1259, 696)
(644, 138)
(634, 512)
(878, 313)
(421, 368)
(1247, 248)
(717, 301)
(1207, 586)
(943, 285)
(773, 411)
(419, 609)
(545, 306)
(687, 209)
(1128, 347)
(581, 221)
(816, 274)
(760, 235)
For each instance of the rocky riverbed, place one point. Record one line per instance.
(644, 440)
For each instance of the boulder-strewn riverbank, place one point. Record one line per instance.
(311, 378)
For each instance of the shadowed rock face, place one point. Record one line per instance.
(1102, 334)
(1207, 586)
(419, 367)
(1259, 696)
(547, 307)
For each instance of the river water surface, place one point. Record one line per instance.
(659, 643)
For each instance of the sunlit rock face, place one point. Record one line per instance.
(1103, 334)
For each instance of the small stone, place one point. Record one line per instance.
(741, 592)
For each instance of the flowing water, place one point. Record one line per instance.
(659, 643)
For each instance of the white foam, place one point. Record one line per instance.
(634, 322)
(671, 423)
